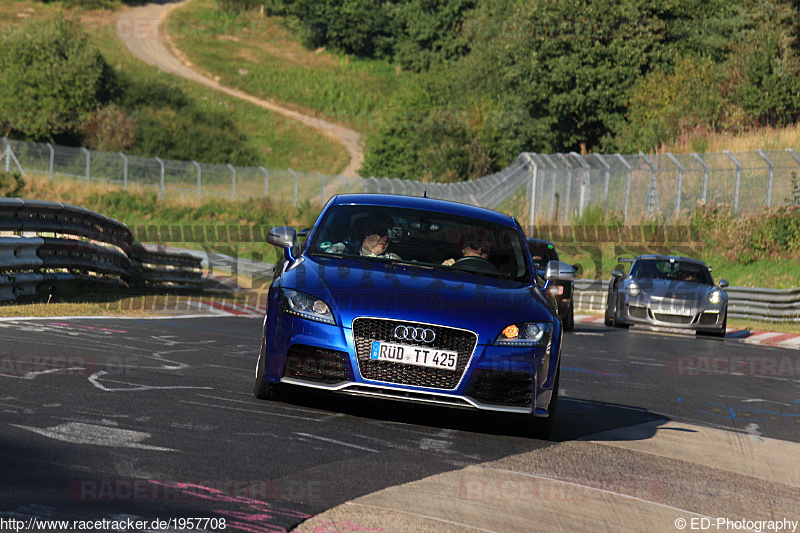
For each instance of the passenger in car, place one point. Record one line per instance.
(372, 232)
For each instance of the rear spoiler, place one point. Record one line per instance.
(625, 260)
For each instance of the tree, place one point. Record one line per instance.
(50, 75)
(764, 68)
(665, 104)
(566, 71)
(429, 32)
(428, 135)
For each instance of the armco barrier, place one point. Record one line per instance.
(771, 305)
(51, 242)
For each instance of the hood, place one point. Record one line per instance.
(455, 298)
(658, 289)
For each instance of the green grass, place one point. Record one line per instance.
(259, 56)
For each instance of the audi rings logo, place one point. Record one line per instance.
(409, 333)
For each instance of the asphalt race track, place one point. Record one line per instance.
(148, 419)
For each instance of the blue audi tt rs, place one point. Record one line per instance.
(414, 299)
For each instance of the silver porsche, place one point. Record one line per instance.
(667, 291)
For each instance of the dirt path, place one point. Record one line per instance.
(140, 30)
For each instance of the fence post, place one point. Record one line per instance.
(569, 186)
(346, 184)
(199, 179)
(738, 181)
(534, 178)
(770, 178)
(7, 153)
(554, 171)
(541, 169)
(680, 183)
(585, 183)
(266, 180)
(627, 187)
(705, 175)
(52, 161)
(233, 181)
(295, 186)
(88, 164)
(322, 193)
(124, 171)
(652, 193)
(161, 185)
(606, 176)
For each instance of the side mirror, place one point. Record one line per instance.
(618, 274)
(723, 283)
(558, 270)
(282, 237)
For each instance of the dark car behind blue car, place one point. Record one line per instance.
(414, 299)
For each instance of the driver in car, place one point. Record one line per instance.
(471, 246)
(373, 233)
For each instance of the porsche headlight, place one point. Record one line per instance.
(715, 296)
(633, 289)
(303, 305)
(525, 334)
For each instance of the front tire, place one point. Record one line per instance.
(615, 320)
(569, 320)
(263, 390)
(542, 428)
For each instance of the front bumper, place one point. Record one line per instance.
(703, 318)
(325, 357)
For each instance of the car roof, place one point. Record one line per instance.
(671, 257)
(427, 204)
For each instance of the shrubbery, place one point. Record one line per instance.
(11, 184)
(51, 75)
(771, 234)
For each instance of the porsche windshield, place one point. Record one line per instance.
(422, 238)
(671, 269)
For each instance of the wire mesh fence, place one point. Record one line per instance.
(542, 188)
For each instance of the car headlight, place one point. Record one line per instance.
(715, 296)
(633, 289)
(304, 305)
(525, 334)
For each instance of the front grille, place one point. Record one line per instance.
(708, 319)
(637, 312)
(674, 319)
(366, 330)
(316, 364)
(496, 387)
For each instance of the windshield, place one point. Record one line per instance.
(671, 269)
(542, 253)
(423, 238)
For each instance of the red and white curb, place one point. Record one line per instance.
(226, 308)
(762, 338)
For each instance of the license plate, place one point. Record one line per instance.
(413, 355)
(680, 311)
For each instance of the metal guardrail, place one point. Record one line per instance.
(769, 305)
(50, 242)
